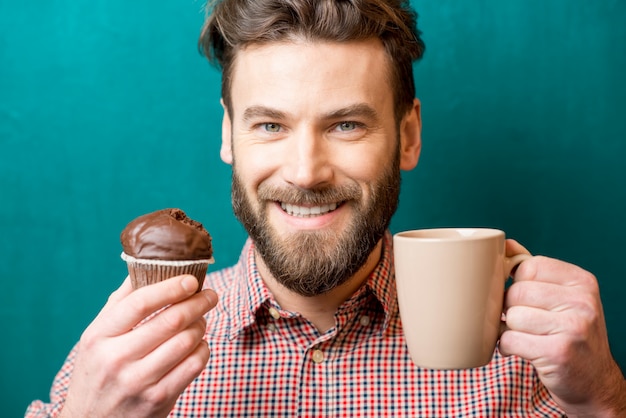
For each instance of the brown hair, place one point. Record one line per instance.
(234, 24)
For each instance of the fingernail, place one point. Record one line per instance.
(189, 283)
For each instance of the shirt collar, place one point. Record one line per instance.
(251, 293)
(382, 281)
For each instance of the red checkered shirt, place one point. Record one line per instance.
(269, 362)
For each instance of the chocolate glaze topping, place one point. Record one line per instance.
(167, 234)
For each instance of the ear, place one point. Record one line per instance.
(226, 151)
(411, 137)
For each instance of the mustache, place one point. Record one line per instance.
(315, 196)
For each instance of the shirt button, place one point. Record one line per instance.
(271, 327)
(318, 356)
(274, 313)
(365, 320)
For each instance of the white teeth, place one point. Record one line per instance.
(304, 211)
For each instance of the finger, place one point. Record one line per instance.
(545, 269)
(134, 307)
(513, 248)
(181, 375)
(169, 322)
(535, 294)
(503, 326)
(120, 293)
(166, 356)
(124, 290)
(529, 346)
(535, 321)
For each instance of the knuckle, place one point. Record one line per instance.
(578, 328)
(172, 320)
(113, 297)
(531, 268)
(202, 323)
(129, 380)
(525, 268)
(112, 362)
(88, 339)
(590, 281)
(561, 349)
(588, 307)
(516, 292)
(188, 340)
(201, 326)
(197, 363)
(157, 396)
(591, 304)
(141, 306)
(587, 320)
(116, 364)
(92, 342)
(199, 329)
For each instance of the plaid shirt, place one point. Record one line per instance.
(269, 362)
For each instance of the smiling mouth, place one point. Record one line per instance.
(308, 211)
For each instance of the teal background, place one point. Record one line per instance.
(107, 111)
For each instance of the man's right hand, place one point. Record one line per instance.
(126, 368)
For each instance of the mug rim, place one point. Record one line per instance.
(449, 234)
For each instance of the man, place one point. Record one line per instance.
(319, 119)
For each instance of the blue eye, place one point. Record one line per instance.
(271, 127)
(347, 126)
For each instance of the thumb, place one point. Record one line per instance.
(513, 248)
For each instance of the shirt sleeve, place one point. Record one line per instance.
(58, 392)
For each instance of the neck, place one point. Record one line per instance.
(320, 309)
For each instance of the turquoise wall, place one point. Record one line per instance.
(107, 111)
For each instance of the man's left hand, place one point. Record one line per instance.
(554, 319)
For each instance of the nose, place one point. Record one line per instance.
(308, 160)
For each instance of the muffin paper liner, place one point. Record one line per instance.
(144, 271)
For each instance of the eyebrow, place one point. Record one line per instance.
(358, 109)
(262, 111)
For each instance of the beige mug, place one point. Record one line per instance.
(450, 284)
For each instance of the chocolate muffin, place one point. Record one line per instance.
(163, 244)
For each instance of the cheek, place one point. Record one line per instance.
(252, 168)
(375, 171)
(368, 164)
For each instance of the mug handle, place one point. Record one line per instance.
(511, 263)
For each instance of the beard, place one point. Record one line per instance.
(311, 263)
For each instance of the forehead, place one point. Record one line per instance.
(302, 74)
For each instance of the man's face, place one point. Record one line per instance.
(316, 156)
